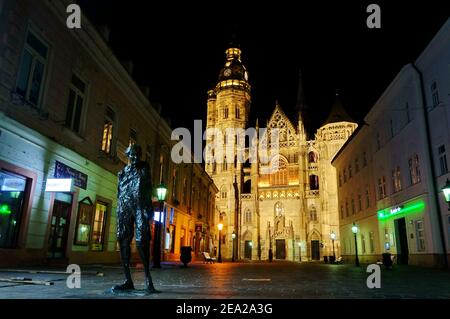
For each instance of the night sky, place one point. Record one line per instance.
(179, 48)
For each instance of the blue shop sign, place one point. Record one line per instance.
(64, 171)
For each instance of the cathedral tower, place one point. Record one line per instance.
(228, 107)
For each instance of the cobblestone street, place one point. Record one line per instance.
(241, 280)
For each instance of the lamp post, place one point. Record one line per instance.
(299, 251)
(446, 190)
(220, 227)
(233, 236)
(333, 238)
(355, 231)
(161, 192)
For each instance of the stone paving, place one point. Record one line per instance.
(242, 280)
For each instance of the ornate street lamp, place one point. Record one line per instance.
(355, 231)
(446, 191)
(161, 192)
(233, 236)
(220, 227)
(333, 238)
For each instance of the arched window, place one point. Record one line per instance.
(279, 171)
(313, 182)
(312, 157)
(248, 216)
(223, 192)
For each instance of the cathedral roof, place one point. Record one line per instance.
(338, 113)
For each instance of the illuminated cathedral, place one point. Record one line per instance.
(292, 212)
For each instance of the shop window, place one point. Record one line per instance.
(12, 192)
(99, 225)
(30, 79)
(84, 222)
(75, 105)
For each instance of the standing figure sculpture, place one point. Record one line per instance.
(134, 213)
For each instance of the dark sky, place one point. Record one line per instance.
(178, 49)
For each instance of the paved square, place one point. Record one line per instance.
(243, 280)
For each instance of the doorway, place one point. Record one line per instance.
(315, 250)
(59, 229)
(280, 249)
(248, 249)
(402, 241)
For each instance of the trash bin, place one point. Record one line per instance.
(387, 260)
(325, 259)
(186, 255)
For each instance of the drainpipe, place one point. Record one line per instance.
(434, 187)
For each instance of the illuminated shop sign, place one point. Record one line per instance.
(412, 207)
(58, 185)
(63, 171)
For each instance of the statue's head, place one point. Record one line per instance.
(134, 153)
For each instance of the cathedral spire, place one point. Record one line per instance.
(302, 111)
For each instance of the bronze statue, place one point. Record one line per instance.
(134, 213)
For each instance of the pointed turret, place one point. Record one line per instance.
(338, 112)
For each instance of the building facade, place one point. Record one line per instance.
(286, 204)
(394, 197)
(69, 109)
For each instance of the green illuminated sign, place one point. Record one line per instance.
(413, 207)
(5, 209)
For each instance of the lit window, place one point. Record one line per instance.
(280, 172)
(108, 131)
(32, 70)
(75, 104)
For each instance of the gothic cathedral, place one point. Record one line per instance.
(289, 214)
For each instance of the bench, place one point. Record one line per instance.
(207, 258)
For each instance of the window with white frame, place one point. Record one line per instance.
(420, 235)
(77, 96)
(442, 160)
(396, 179)
(414, 169)
(32, 71)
